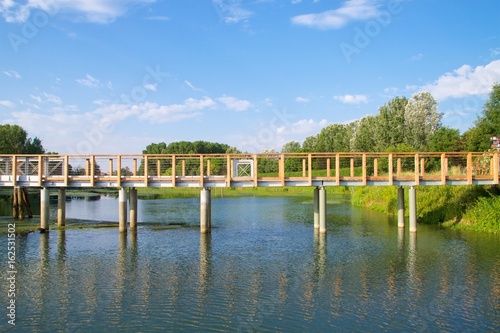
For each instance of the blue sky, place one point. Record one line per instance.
(108, 76)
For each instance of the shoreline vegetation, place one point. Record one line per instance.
(459, 207)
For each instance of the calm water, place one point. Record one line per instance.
(263, 268)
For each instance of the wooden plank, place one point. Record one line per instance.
(304, 167)
(208, 167)
(469, 168)
(390, 167)
(328, 167)
(110, 173)
(337, 169)
(183, 166)
(398, 172)
(375, 167)
(352, 166)
(422, 166)
(228, 170)
(158, 167)
(134, 167)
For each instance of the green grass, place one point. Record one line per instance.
(460, 207)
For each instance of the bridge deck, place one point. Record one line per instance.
(250, 170)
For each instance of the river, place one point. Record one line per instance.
(262, 268)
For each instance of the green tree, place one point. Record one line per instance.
(310, 144)
(445, 139)
(14, 140)
(334, 138)
(487, 125)
(291, 147)
(422, 119)
(363, 134)
(390, 124)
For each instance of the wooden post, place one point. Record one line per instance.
(375, 167)
(304, 167)
(110, 167)
(352, 167)
(282, 169)
(363, 166)
(469, 168)
(158, 167)
(26, 202)
(92, 170)
(119, 170)
(20, 203)
(422, 166)
(328, 167)
(202, 176)
(14, 170)
(134, 167)
(398, 171)
(40, 170)
(174, 161)
(417, 173)
(337, 169)
(15, 209)
(146, 170)
(66, 170)
(495, 168)
(255, 172)
(390, 169)
(229, 168)
(183, 166)
(444, 168)
(309, 170)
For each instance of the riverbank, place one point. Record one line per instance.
(460, 207)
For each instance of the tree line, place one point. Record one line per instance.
(404, 124)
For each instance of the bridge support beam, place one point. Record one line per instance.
(133, 208)
(205, 211)
(322, 210)
(122, 209)
(401, 207)
(316, 208)
(44, 208)
(413, 209)
(61, 207)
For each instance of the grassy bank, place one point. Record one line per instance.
(461, 207)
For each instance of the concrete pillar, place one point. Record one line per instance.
(133, 208)
(413, 209)
(322, 210)
(122, 209)
(44, 208)
(401, 207)
(316, 208)
(205, 211)
(61, 207)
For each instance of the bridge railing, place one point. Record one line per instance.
(285, 169)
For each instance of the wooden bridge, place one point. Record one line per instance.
(250, 170)
(207, 171)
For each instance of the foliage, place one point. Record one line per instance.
(486, 125)
(422, 119)
(484, 215)
(14, 140)
(445, 139)
(390, 124)
(291, 147)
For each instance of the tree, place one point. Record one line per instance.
(486, 125)
(14, 140)
(334, 138)
(363, 134)
(310, 144)
(422, 119)
(291, 147)
(445, 139)
(390, 124)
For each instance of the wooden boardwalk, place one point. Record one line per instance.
(250, 170)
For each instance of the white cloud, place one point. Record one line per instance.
(190, 85)
(303, 127)
(231, 11)
(191, 108)
(301, 99)
(465, 81)
(158, 18)
(7, 104)
(97, 11)
(352, 99)
(89, 81)
(235, 104)
(337, 18)
(150, 86)
(47, 98)
(12, 74)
